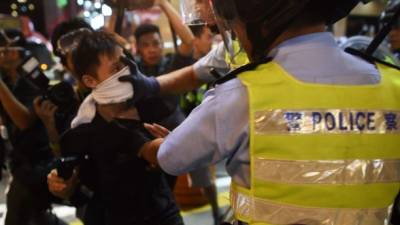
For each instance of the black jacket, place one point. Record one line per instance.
(130, 191)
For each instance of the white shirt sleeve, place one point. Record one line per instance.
(215, 130)
(193, 143)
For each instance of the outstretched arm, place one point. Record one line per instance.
(182, 30)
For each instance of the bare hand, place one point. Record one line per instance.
(59, 187)
(156, 130)
(45, 110)
(149, 151)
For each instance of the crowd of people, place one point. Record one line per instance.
(112, 140)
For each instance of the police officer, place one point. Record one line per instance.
(310, 132)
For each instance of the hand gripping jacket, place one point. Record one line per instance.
(320, 154)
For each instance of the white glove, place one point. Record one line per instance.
(215, 59)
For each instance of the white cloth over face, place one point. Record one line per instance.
(107, 92)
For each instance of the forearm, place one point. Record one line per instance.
(54, 139)
(19, 114)
(179, 81)
(183, 31)
(150, 149)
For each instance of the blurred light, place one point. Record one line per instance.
(31, 7)
(14, 6)
(24, 9)
(88, 4)
(97, 5)
(97, 22)
(86, 14)
(80, 2)
(106, 10)
(14, 13)
(62, 3)
(168, 44)
(44, 66)
(21, 1)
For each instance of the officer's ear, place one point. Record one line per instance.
(89, 81)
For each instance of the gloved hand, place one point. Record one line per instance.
(213, 61)
(143, 86)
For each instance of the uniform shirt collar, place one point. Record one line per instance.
(314, 40)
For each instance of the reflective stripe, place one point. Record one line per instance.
(327, 147)
(327, 172)
(253, 210)
(375, 195)
(326, 121)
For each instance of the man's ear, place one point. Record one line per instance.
(89, 81)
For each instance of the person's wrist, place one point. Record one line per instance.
(154, 85)
(48, 122)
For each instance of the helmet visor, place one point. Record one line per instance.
(196, 12)
(70, 41)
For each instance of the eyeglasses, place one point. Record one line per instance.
(70, 41)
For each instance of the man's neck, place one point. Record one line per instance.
(118, 111)
(296, 32)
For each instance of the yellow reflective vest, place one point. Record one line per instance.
(320, 154)
(239, 59)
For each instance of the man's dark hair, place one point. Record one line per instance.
(197, 29)
(64, 28)
(86, 56)
(317, 11)
(146, 28)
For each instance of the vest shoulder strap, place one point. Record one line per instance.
(233, 74)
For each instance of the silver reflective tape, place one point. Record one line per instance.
(327, 172)
(262, 211)
(326, 121)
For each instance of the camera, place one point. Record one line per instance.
(61, 94)
(65, 166)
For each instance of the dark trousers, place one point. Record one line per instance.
(96, 214)
(395, 220)
(24, 207)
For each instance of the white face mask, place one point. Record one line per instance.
(112, 90)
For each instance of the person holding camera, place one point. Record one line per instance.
(28, 199)
(106, 138)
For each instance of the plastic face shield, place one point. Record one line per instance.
(197, 12)
(200, 12)
(225, 13)
(390, 11)
(70, 41)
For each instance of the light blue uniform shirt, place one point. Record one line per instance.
(219, 127)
